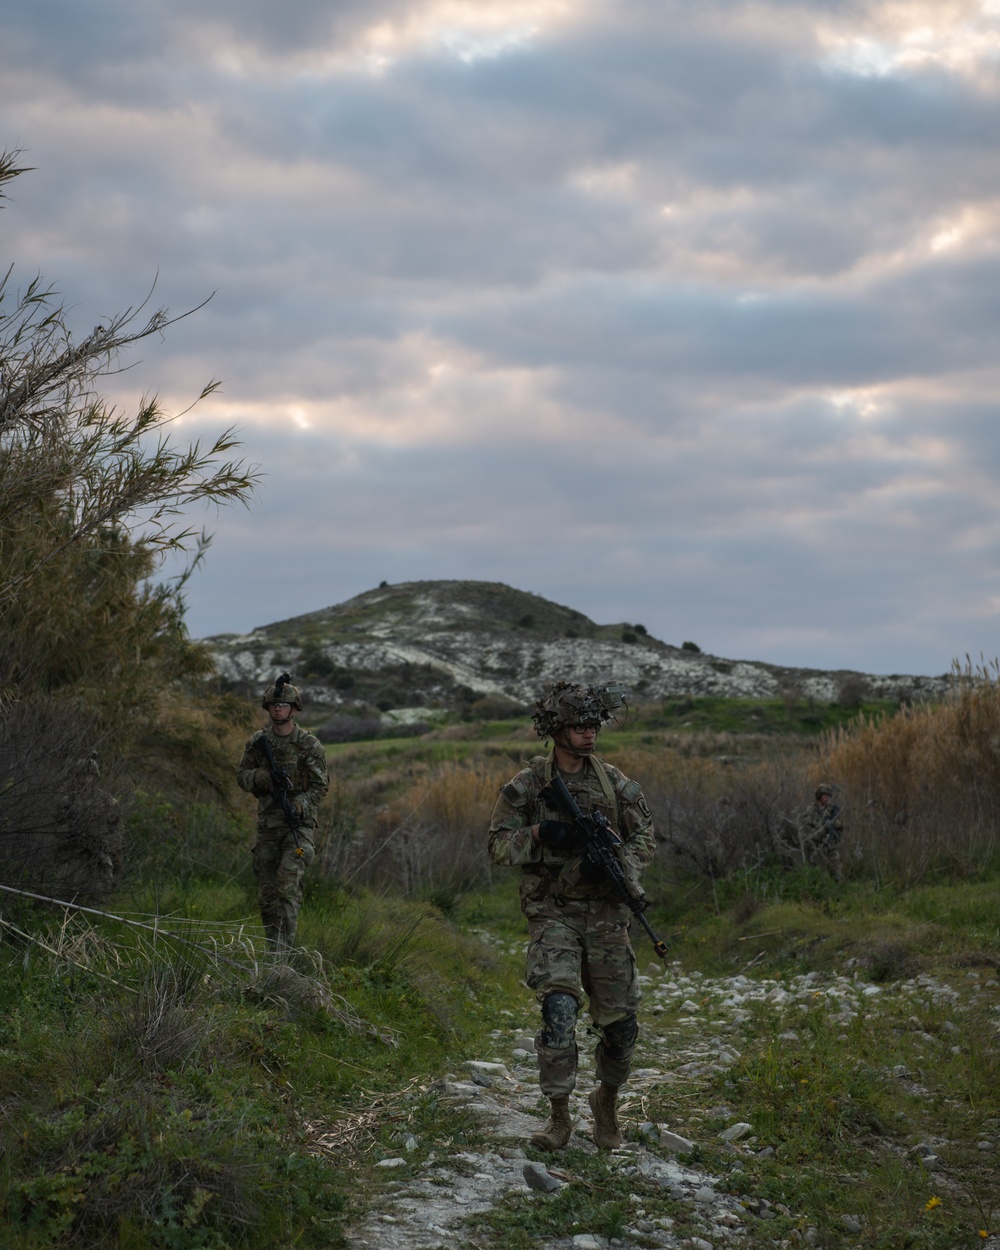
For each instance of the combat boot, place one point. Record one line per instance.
(603, 1103)
(556, 1133)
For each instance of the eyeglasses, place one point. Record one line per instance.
(280, 705)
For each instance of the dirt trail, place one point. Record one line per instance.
(428, 1209)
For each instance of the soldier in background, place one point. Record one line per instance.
(818, 833)
(577, 925)
(281, 852)
(90, 836)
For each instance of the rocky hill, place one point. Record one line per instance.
(416, 649)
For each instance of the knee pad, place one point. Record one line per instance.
(559, 1011)
(619, 1038)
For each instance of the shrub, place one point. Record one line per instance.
(437, 842)
(924, 783)
(853, 689)
(691, 646)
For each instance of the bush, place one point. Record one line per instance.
(853, 689)
(436, 842)
(691, 646)
(60, 835)
(924, 784)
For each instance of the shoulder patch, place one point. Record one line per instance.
(518, 790)
(514, 793)
(631, 791)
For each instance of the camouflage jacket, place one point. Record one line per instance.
(303, 758)
(820, 826)
(518, 808)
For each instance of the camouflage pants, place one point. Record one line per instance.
(582, 948)
(279, 863)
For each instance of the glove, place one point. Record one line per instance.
(262, 782)
(558, 836)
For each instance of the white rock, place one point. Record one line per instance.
(488, 1068)
(390, 1163)
(537, 1176)
(736, 1132)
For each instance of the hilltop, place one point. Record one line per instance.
(415, 648)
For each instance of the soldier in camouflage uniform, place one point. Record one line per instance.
(577, 926)
(280, 854)
(818, 832)
(88, 855)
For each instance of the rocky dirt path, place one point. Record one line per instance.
(691, 1029)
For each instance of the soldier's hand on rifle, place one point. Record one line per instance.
(559, 836)
(262, 782)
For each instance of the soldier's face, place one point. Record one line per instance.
(582, 738)
(279, 712)
(823, 800)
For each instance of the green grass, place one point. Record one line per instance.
(158, 1095)
(157, 1091)
(842, 1107)
(646, 724)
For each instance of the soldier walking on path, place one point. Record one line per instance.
(577, 924)
(285, 768)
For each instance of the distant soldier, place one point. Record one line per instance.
(818, 833)
(289, 787)
(89, 855)
(577, 924)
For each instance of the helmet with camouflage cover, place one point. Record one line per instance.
(282, 692)
(824, 788)
(569, 704)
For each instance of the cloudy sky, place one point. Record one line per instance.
(680, 314)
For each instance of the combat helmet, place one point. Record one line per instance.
(569, 704)
(824, 788)
(282, 692)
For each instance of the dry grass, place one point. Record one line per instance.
(432, 839)
(923, 786)
(918, 792)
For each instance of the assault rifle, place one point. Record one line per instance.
(598, 856)
(829, 833)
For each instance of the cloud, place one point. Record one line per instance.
(683, 314)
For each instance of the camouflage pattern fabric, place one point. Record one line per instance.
(577, 929)
(813, 839)
(280, 858)
(88, 845)
(519, 807)
(279, 863)
(579, 949)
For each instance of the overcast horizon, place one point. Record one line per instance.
(673, 314)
